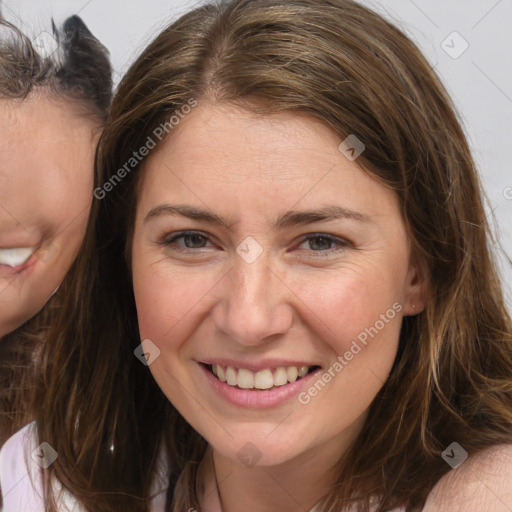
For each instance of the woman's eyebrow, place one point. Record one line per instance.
(288, 219)
(297, 218)
(190, 212)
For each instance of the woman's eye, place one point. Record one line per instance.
(323, 243)
(192, 240)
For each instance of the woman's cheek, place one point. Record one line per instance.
(167, 301)
(342, 308)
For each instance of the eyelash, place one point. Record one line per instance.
(341, 244)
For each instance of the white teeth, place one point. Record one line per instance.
(292, 373)
(263, 379)
(231, 376)
(280, 378)
(16, 256)
(245, 379)
(220, 373)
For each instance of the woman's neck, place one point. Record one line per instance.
(294, 486)
(262, 489)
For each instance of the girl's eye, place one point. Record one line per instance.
(323, 243)
(187, 240)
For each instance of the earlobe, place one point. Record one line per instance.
(416, 288)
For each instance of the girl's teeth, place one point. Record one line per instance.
(15, 257)
(263, 379)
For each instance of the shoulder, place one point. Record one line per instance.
(22, 460)
(20, 477)
(13, 452)
(482, 483)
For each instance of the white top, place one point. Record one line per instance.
(21, 476)
(481, 484)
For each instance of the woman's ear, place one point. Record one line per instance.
(416, 285)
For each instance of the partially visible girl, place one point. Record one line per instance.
(52, 111)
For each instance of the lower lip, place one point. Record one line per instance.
(7, 270)
(257, 399)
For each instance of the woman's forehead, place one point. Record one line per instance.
(220, 150)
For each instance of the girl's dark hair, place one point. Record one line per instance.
(348, 67)
(78, 69)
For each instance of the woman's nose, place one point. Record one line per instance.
(255, 305)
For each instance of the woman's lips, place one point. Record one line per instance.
(257, 398)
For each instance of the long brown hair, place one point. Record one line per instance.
(345, 65)
(20, 353)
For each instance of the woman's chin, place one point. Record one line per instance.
(257, 452)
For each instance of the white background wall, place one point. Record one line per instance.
(480, 79)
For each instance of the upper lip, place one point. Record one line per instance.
(259, 365)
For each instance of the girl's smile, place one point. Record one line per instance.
(45, 196)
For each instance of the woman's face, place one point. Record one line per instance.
(262, 252)
(46, 179)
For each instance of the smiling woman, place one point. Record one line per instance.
(51, 114)
(313, 227)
